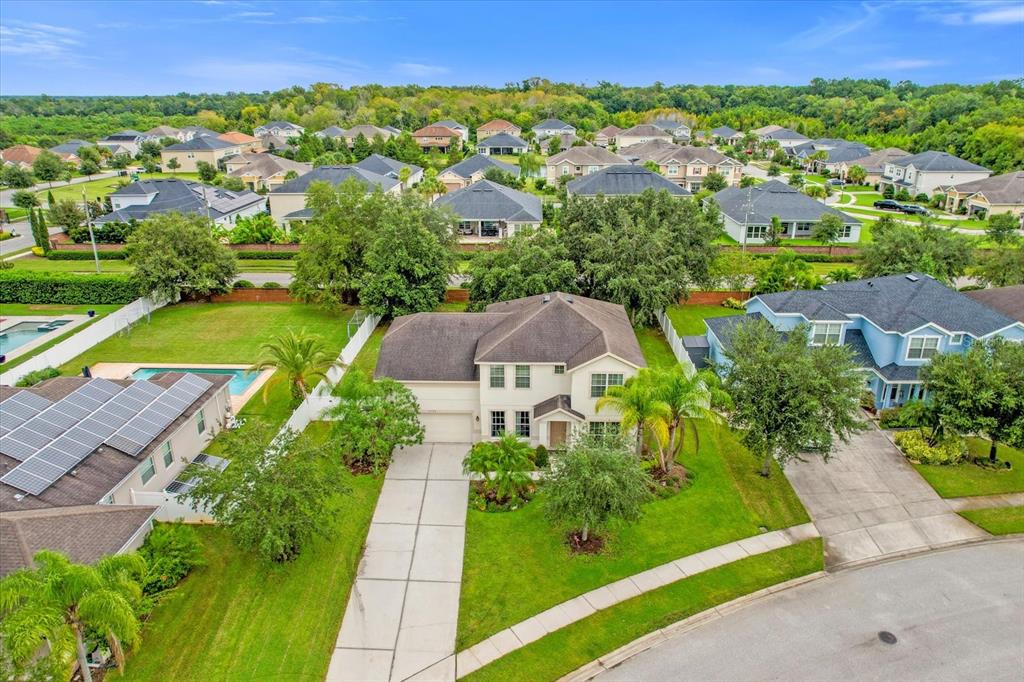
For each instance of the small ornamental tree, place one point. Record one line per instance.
(714, 181)
(25, 199)
(302, 357)
(1003, 228)
(856, 175)
(504, 465)
(207, 171)
(67, 214)
(48, 167)
(828, 231)
(173, 164)
(785, 272)
(372, 419)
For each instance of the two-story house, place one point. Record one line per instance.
(639, 134)
(677, 129)
(495, 127)
(391, 168)
(550, 127)
(894, 326)
(926, 172)
(685, 165)
(436, 137)
(279, 129)
(990, 196)
(579, 161)
(533, 366)
(747, 213)
(210, 150)
(460, 128)
(605, 137)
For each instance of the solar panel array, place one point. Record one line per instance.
(19, 408)
(51, 440)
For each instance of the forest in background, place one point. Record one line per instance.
(982, 123)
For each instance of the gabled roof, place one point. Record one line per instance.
(998, 189)
(382, 165)
(836, 151)
(1006, 300)
(584, 156)
(487, 200)
(369, 132)
(163, 131)
(895, 303)
(451, 125)
(783, 134)
(436, 131)
(609, 131)
(553, 124)
(764, 130)
(556, 403)
(479, 162)
(331, 131)
(335, 175)
(236, 137)
(937, 161)
(20, 153)
(623, 180)
(759, 203)
(669, 124)
(875, 161)
(502, 140)
(724, 131)
(265, 165)
(498, 124)
(183, 196)
(662, 153)
(645, 130)
(288, 125)
(200, 143)
(723, 327)
(124, 135)
(200, 131)
(70, 147)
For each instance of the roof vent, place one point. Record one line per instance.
(568, 299)
(547, 299)
(913, 278)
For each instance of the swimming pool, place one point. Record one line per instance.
(24, 332)
(241, 379)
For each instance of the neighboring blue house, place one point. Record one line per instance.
(894, 324)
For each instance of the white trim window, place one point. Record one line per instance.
(826, 333)
(956, 340)
(757, 231)
(602, 429)
(168, 455)
(497, 376)
(523, 423)
(559, 369)
(922, 347)
(148, 470)
(522, 376)
(599, 383)
(200, 422)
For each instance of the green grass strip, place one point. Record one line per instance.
(997, 520)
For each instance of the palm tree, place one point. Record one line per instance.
(639, 406)
(58, 600)
(302, 356)
(503, 463)
(690, 398)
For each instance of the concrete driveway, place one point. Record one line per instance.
(955, 615)
(868, 502)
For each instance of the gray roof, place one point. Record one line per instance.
(553, 124)
(183, 196)
(937, 161)
(623, 179)
(837, 151)
(586, 156)
(556, 402)
(875, 161)
(70, 147)
(724, 131)
(669, 124)
(201, 131)
(335, 175)
(204, 142)
(895, 303)
(480, 162)
(645, 130)
(487, 200)
(331, 131)
(723, 327)
(265, 165)
(280, 124)
(502, 140)
(451, 124)
(773, 198)
(784, 134)
(697, 348)
(164, 131)
(382, 165)
(547, 328)
(998, 189)
(1007, 300)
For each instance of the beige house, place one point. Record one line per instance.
(367, 131)
(534, 367)
(640, 134)
(684, 165)
(990, 196)
(263, 171)
(473, 169)
(605, 137)
(498, 125)
(436, 137)
(288, 201)
(209, 149)
(579, 161)
(247, 143)
(873, 164)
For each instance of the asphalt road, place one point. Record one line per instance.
(957, 615)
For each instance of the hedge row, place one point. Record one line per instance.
(26, 286)
(83, 255)
(267, 255)
(813, 257)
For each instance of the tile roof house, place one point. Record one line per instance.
(461, 129)
(288, 201)
(472, 169)
(605, 137)
(552, 126)
(685, 165)
(489, 211)
(645, 132)
(533, 366)
(580, 161)
(622, 180)
(21, 155)
(993, 195)
(755, 206)
(247, 143)
(894, 325)
(207, 149)
(263, 171)
(279, 128)
(435, 137)
(926, 172)
(391, 168)
(141, 199)
(498, 125)
(501, 144)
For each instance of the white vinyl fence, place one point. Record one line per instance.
(72, 347)
(169, 507)
(674, 341)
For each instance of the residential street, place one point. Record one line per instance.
(956, 615)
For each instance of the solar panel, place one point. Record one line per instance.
(16, 449)
(23, 480)
(24, 405)
(124, 445)
(98, 427)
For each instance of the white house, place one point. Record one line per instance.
(533, 366)
(747, 213)
(139, 200)
(926, 172)
(279, 129)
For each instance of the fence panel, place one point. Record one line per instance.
(675, 341)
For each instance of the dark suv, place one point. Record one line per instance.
(913, 209)
(888, 205)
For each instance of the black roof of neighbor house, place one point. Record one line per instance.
(937, 161)
(895, 303)
(480, 162)
(623, 180)
(759, 203)
(382, 165)
(553, 124)
(199, 143)
(183, 196)
(335, 175)
(487, 200)
(502, 140)
(70, 147)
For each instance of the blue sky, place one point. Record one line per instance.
(82, 48)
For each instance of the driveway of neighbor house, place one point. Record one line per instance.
(401, 616)
(869, 503)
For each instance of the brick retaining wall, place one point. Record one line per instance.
(713, 297)
(456, 296)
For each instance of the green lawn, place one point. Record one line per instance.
(454, 307)
(655, 348)
(822, 269)
(240, 618)
(100, 188)
(571, 647)
(110, 266)
(688, 320)
(14, 213)
(51, 310)
(517, 564)
(967, 480)
(998, 520)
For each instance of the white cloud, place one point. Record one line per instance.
(830, 29)
(1011, 14)
(419, 70)
(40, 41)
(902, 64)
(974, 12)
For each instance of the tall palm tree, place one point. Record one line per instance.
(302, 356)
(640, 407)
(58, 600)
(690, 398)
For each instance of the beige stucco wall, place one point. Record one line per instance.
(283, 204)
(189, 159)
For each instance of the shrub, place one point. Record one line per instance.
(114, 232)
(26, 286)
(39, 375)
(503, 464)
(867, 400)
(540, 457)
(84, 255)
(37, 251)
(733, 303)
(271, 285)
(266, 255)
(910, 416)
(171, 550)
(921, 198)
(916, 448)
(902, 195)
(243, 284)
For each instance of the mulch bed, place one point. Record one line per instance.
(667, 484)
(592, 545)
(359, 468)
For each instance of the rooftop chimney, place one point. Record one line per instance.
(568, 299)
(547, 299)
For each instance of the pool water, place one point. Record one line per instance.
(241, 379)
(24, 332)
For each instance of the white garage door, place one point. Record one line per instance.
(447, 427)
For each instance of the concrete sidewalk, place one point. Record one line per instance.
(400, 623)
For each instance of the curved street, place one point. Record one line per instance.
(956, 614)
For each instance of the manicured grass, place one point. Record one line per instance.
(997, 520)
(88, 267)
(50, 310)
(240, 618)
(366, 360)
(655, 348)
(101, 187)
(688, 320)
(454, 307)
(822, 269)
(517, 564)
(15, 213)
(576, 645)
(265, 265)
(966, 480)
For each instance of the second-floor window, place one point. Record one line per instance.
(522, 376)
(200, 422)
(922, 347)
(165, 449)
(498, 376)
(148, 470)
(826, 332)
(559, 369)
(599, 383)
(673, 170)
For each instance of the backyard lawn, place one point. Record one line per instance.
(998, 520)
(688, 320)
(50, 310)
(655, 348)
(239, 618)
(966, 480)
(517, 564)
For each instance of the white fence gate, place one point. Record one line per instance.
(675, 342)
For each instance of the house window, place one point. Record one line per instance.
(697, 170)
(109, 499)
(497, 424)
(957, 340)
(846, 232)
(165, 449)
(592, 169)
(826, 332)
(599, 383)
(565, 170)
(497, 376)
(522, 376)
(922, 347)
(200, 422)
(602, 429)
(673, 170)
(559, 369)
(148, 470)
(523, 424)
(757, 231)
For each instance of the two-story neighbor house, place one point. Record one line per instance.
(288, 202)
(501, 144)
(75, 453)
(990, 196)
(605, 137)
(926, 172)
(498, 125)
(533, 366)
(279, 129)
(263, 171)
(755, 206)
(139, 200)
(677, 129)
(550, 127)
(436, 137)
(639, 134)
(579, 161)
(123, 142)
(786, 137)
(209, 149)
(489, 211)
(893, 324)
(461, 129)
(161, 132)
(685, 165)
(625, 180)
(473, 169)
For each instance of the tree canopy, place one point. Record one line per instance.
(929, 248)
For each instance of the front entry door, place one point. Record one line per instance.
(556, 434)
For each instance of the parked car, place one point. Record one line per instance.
(913, 209)
(835, 182)
(888, 205)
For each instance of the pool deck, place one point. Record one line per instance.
(7, 321)
(124, 370)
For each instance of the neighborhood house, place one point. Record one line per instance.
(748, 213)
(199, 149)
(139, 200)
(489, 211)
(926, 172)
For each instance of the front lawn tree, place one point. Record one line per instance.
(789, 398)
(714, 182)
(1003, 228)
(207, 171)
(373, 418)
(856, 175)
(899, 248)
(176, 256)
(25, 199)
(503, 464)
(48, 167)
(828, 231)
(302, 357)
(173, 164)
(16, 177)
(642, 410)
(67, 214)
(692, 398)
(1001, 267)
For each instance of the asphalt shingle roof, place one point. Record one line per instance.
(205, 142)
(1006, 300)
(182, 196)
(773, 198)
(784, 134)
(487, 200)
(724, 131)
(937, 161)
(335, 175)
(477, 163)
(553, 124)
(502, 140)
(383, 165)
(623, 180)
(998, 189)
(583, 156)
